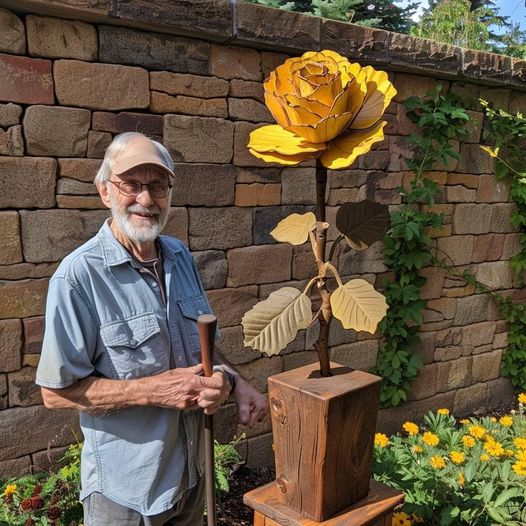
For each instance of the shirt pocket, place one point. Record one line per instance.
(191, 309)
(135, 347)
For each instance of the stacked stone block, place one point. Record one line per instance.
(68, 86)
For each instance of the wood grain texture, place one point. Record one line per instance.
(323, 430)
(374, 510)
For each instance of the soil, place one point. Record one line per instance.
(230, 508)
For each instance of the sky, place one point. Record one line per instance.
(515, 9)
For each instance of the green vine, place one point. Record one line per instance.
(408, 247)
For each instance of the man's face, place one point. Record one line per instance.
(140, 218)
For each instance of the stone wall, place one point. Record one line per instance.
(73, 73)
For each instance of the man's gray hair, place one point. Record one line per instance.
(118, 143)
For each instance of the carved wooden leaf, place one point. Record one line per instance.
(358, 306)
(273, 323)
(363, 223)
(295, 228)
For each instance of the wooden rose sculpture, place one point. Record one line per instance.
(329, 109)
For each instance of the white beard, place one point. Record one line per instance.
(144, 233)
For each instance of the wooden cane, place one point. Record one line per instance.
(207, 329)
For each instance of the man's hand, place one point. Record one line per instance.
(252, 406)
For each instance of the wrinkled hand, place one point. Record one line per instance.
(216, 390)
(252, 406)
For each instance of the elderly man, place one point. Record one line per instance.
(121, 346)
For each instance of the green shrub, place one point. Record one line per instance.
(471, 472)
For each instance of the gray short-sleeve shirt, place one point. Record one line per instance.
(106, 317)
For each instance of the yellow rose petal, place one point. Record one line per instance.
(345, 149)
(274, 138)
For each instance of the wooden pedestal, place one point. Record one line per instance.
(375, 509)
(323, 430)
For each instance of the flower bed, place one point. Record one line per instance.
(466, 472)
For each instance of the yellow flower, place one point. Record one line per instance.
(443, 411)
(506, 421)
(493, 152)
(430, 439)
(410, 428)
(437, 462)
(484, 457)
(417, 449)
(493, 419)
(520, 467)
(476, 431)
(464, 421)
(324, 107)
(495, 449)
(468, 441)
(522, 398)
(461, 479)
(520, 443)
(380, 440)
(521, 455)
(457, 457)
(9, 490)
(400, 519)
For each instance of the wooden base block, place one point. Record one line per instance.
(323, 430)
(270, 508)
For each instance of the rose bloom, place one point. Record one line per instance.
(522, 398)
(437, 462)
(381, 440)
(457, 457)
(443, 411)
(430, 439)
(520, 443)
(477, 431)
(468, 441)
(410, 428)
(506, 421)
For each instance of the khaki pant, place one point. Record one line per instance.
(188, 511)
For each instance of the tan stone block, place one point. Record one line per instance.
(246, 89)
(472, 309)
(48, 460)
(439, 208)
(242, 156)
(500, 341)
(127, 121)
(163, 103)
(191, 85)
(512, 245)
(467, 180)
(460, 194)
(405, 126)
(486, 366)
(338, 196)
(220, 228)
(447, 353)
(498, 96)
(26, 80)
(27, 182)
(230, 345)
(374, 160)
(399, 151)
(17, 467)
(457, 249)
(258, 451)
(478, 334)
(101, 86)
(79, 169)
(49, 235)
(11, 141)
(424, 385)
(435, 281)
(459, 292)
(18, 436)
(9, 113)
(298, 186)
(304, 265)
(453, 374)
(517, 102)
(496, 275)
(444, 231)
(230, 305)
(348, 178)
(470, 400)
(449, 337)
(199, 139)
(10, 345)
(259, 264)
(233, 62)
(177, 224)
(33, 334)
(501, 214)
(412, 86)
(257, 194)
(270, 60)
(58, 38)
(472, 218)
(22, 299)
(73, 187)
(56, 131)
(10, 238)
(12, 34)
(258, 371)
(440, 309)
(30, 360)
(257, 175)
(97, 144)
(500, 394)
(491, 190)
(473, 126)
(199, 184)
(248, 110)
(474, 161)
(298, 359)
(481, 350)
(488, 247)
(387, 197)
(358, 355)
(74, 202)
(27, 271)
(23, 391)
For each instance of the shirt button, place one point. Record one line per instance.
(200, 312)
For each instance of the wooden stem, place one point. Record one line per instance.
(325, 317)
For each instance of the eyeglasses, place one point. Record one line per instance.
(134, 188)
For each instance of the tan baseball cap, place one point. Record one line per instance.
(139, 151)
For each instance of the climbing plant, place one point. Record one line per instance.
(408, 246)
